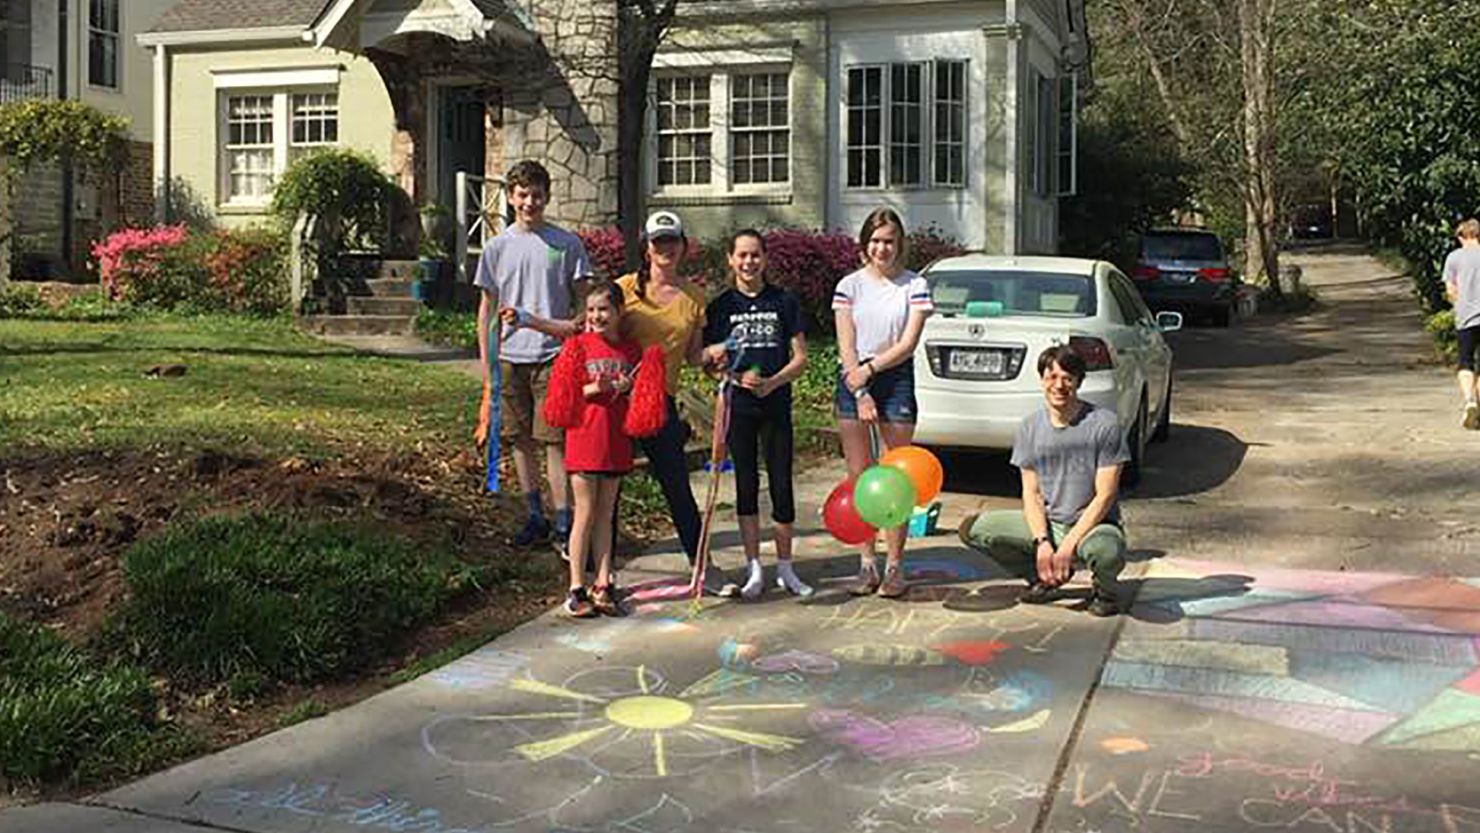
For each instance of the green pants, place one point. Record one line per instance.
(1004, 537)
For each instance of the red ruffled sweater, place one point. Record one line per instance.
(599, 429)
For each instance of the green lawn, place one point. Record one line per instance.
(252, 384)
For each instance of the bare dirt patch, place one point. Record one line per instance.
(66, 521)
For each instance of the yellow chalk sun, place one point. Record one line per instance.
(648, 713)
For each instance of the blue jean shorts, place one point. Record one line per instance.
(893, 391)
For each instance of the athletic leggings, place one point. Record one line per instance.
(758, 425)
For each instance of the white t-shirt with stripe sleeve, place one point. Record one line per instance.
(881, 308)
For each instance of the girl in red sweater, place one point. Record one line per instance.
(604, 390)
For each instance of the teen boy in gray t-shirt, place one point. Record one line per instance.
(1070, 454)
(532, 265)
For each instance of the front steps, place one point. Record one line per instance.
(381, 305)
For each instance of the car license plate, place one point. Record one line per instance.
(1180, 277)
(977, 362)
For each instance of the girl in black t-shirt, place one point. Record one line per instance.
(757, 329)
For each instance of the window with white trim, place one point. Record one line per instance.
(102, 43)
(760, 132)
(249, 147)
(865, 131)
(950, 123)
(264, 131)
(685, 137)
(1068, 166)
(315, 123)
(916, 114)
(1041, 121)
(722, 130)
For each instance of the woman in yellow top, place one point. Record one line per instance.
(665, 308)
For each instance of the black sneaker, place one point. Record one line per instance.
(1038, 593)
(1102, 604)
(535, 530)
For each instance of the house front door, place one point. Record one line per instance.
(461, 138)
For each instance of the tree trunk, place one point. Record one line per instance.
(1261, 250)
(632, 112)
(7, 224)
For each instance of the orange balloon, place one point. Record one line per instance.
(923, 469)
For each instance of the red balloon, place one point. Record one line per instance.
(840, 516)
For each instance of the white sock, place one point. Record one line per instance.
(787, 578)
(755, 583)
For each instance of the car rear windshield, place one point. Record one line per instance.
(1019, 293)
(1181, 247)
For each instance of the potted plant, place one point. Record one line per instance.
(430, 257)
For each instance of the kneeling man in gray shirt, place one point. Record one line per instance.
(1070, 454)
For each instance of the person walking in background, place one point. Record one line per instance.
(665, 309)
(1462, 280)
(604, 390)
(757, 328)
(533, 266)
(880, 312)
(1070, 454)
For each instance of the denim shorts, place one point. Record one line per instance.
(893, 391)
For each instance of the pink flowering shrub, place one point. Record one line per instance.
(170, 268)
(808, 263)
(130, 255)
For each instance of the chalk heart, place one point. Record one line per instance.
(905, 738)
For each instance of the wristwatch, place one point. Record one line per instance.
(1042, 539)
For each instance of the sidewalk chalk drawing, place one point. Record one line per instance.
(1365, 659)
(601, 724)
(485, 668)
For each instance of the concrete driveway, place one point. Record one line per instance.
(1298, 657)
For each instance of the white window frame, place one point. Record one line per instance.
(1041, 122)
(770, 129)
(930, 178)
(938, 177)
(709, 129)
(881, 147)
(282, 138)
(321, 113)
(721, 66)
(1066, 158)
(115, 35)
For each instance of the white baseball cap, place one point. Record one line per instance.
(662, 224)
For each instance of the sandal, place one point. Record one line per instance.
(866, 583)
(578, 604)
(894, 585)
(607, 600)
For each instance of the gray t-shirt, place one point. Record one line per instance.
(1066, 458)
(1462, 268)
(532, 271)
(880, 308)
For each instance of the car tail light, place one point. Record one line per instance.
(1213, 274)
(1146, 273)
(1095, 352)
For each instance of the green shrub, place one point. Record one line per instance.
(63, 715)
(1446, 340)
(346, 190)
(18, 300)
(455, 329)
(172, 268)
(290, 599)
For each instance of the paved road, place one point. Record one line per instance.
(1296, 659)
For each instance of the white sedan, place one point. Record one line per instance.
(976, 373)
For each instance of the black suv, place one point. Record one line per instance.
(1186, 270)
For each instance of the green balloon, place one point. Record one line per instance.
(884, 496)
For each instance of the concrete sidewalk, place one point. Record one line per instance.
(1232, 699)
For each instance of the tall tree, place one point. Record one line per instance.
(1257, 186)
(641, 27)
(1213, 72)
